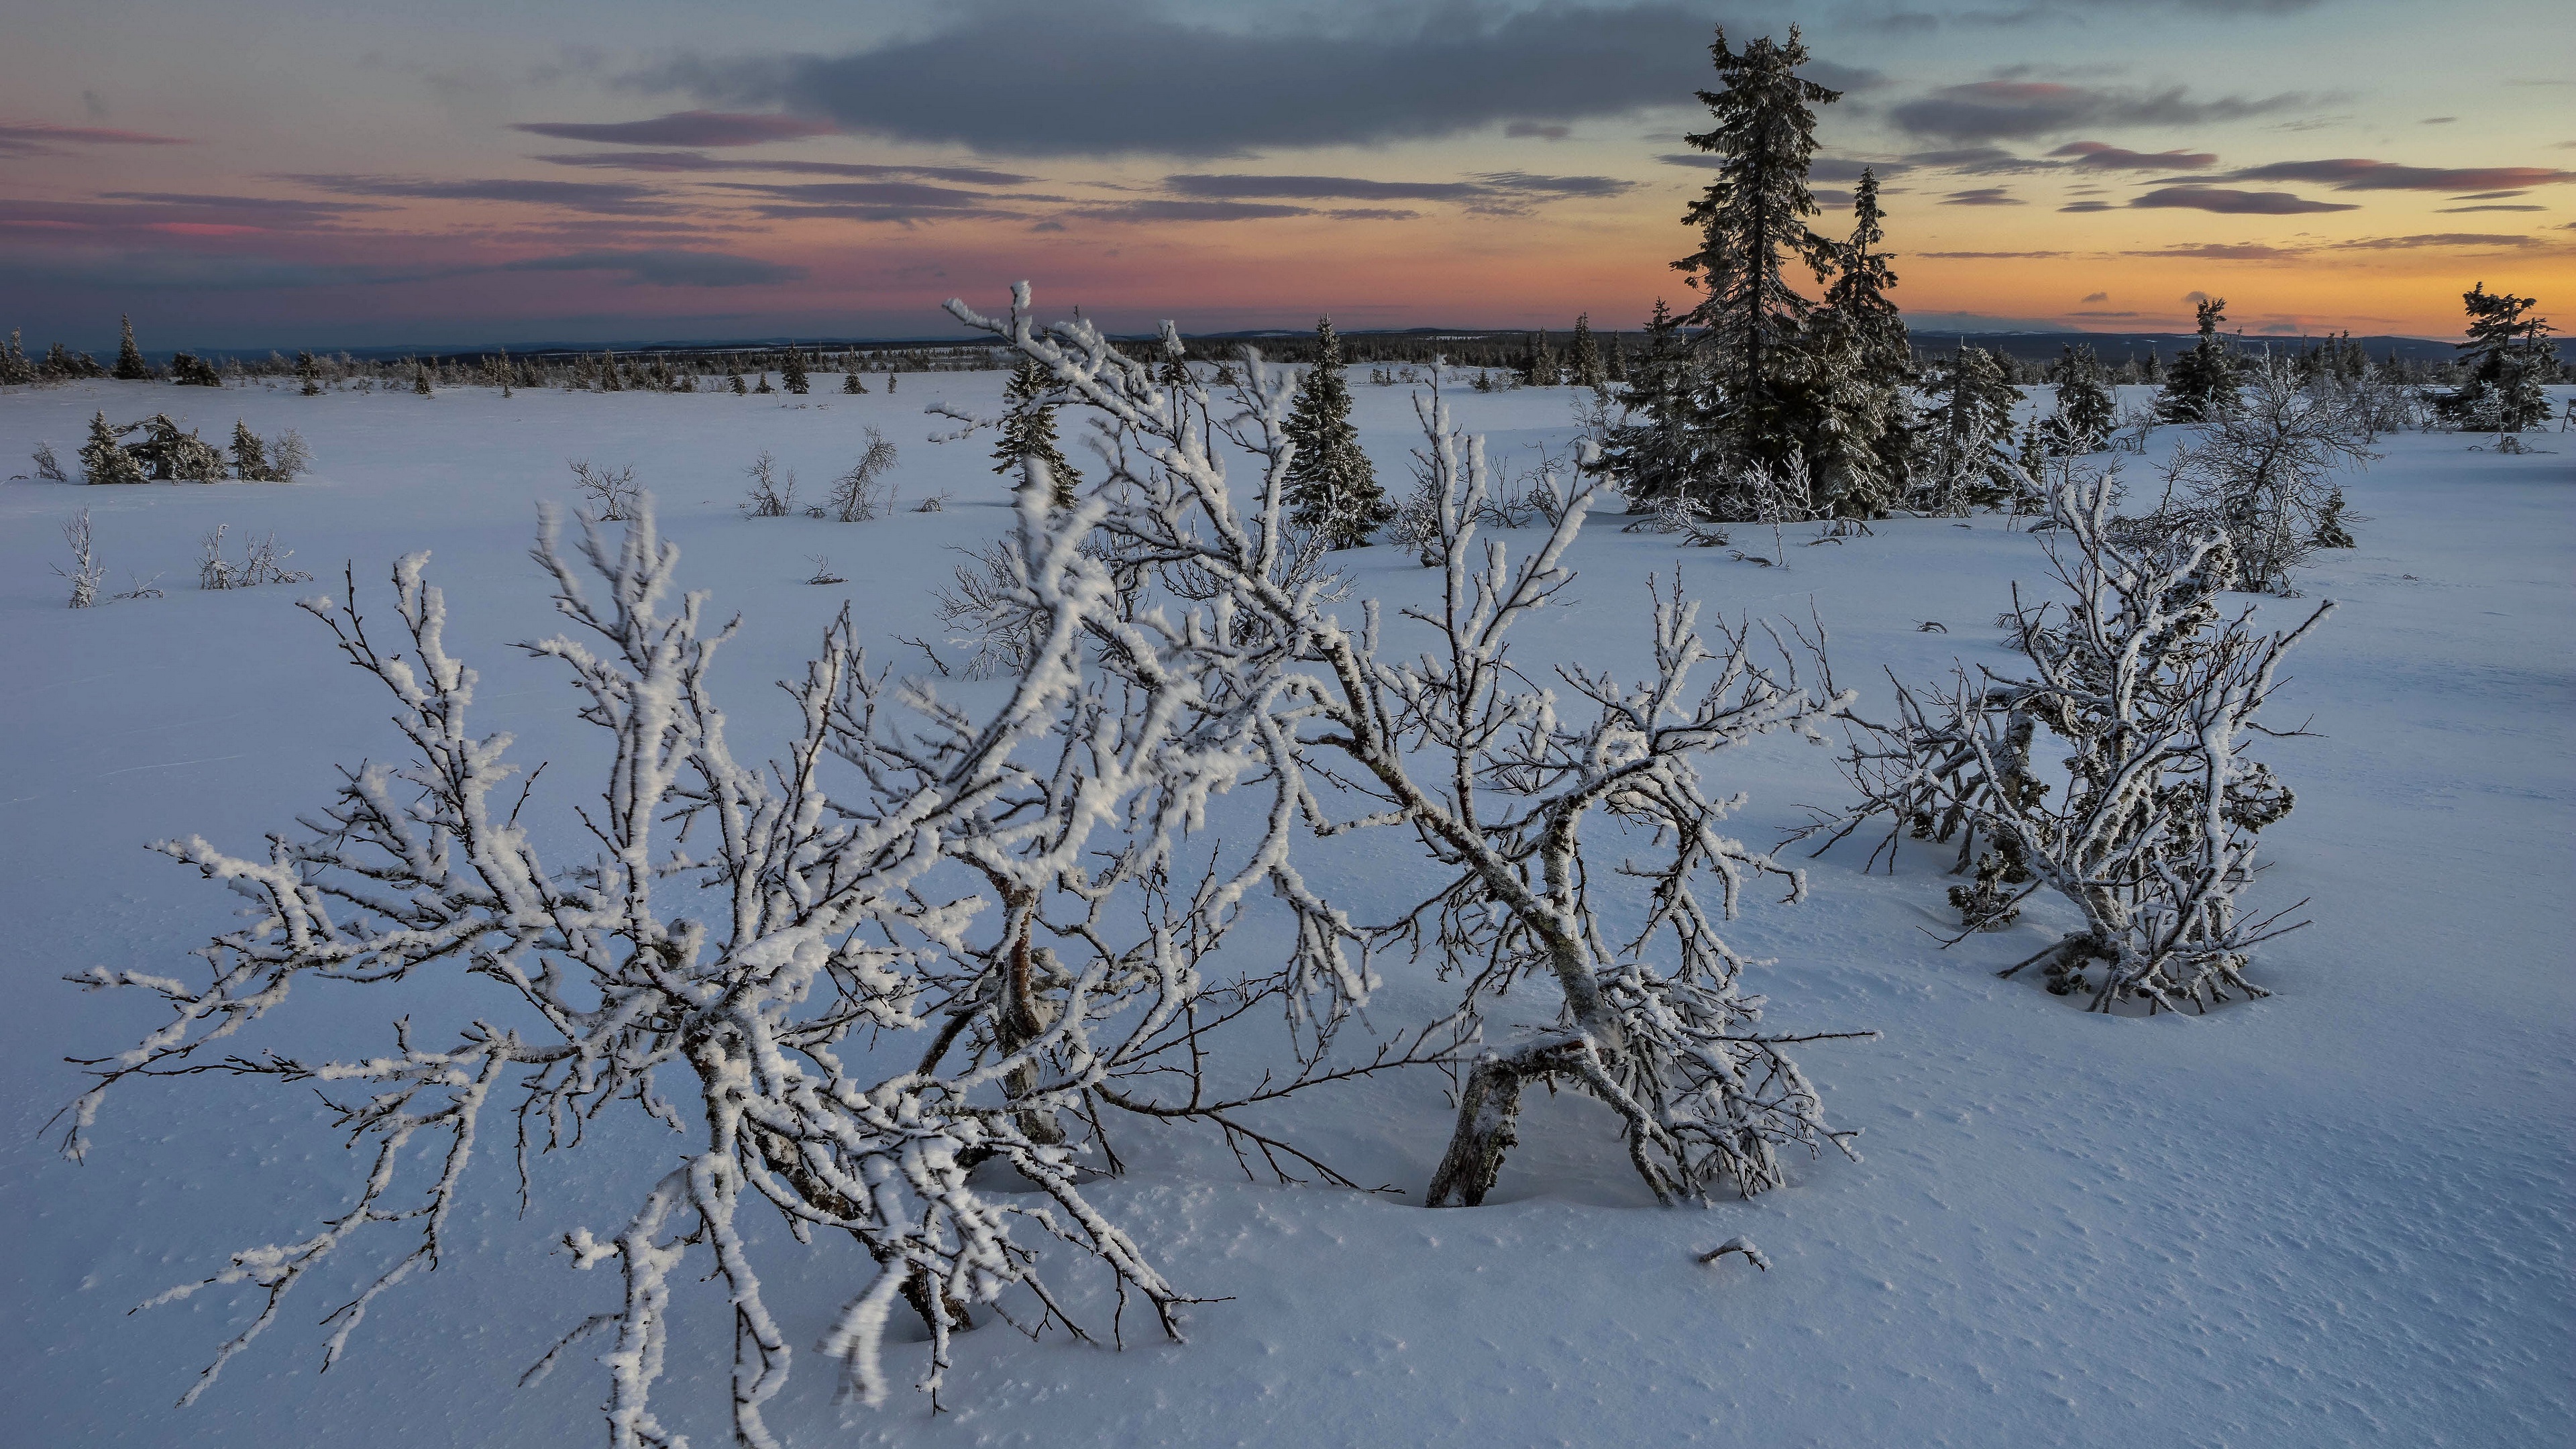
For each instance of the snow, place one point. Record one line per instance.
(2338, 1215)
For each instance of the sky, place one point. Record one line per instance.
(246, 174)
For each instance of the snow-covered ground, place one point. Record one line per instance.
(2340, 1215)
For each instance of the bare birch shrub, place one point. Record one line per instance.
(1507, 780)
(262, 562)
(868, 488)
(613, 497)
(771, 495)
(86, 571)
(2147, 690)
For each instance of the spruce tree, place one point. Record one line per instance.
(1972, 430)
(2085, 406)
(2507, 358)
(130, 366)
(734, 381)
(1654, 453)
(764, 383)
(791, 374)
(608, 378)
(250, 455)
(1852, 419)
(103, 457)
(850, 382)
(15, 369)
(1583, 356)
(1028, 433)
(1540, 367)
(2201, 384)
(420, 379)
(1752, 220)
(1331, 483)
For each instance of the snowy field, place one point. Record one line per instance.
(2338, 1216)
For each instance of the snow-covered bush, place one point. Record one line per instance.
(771, 495)
(2263, 469)
(2145, 690)
(1496, 780)
(783, 969)
(867, 489)
(86, 570)
(262, 562)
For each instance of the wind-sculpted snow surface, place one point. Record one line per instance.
(2253, 1226)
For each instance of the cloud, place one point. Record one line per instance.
(660, 268)
(1979, 161)
(2101, 156)
(1170, 209)
(692, 161)
(1016, 77)
(685, 128)
(2098, 297)
(1537, 131)
(1982, 196)
(2086, 206)
(2221, 252)
(178, 213)
(2353, 173)
(1837, 168)
(2005, 109)
(2437, 120)
(870, 193)
(2195, 296)
(2236, 203)
(602, 197)
(2507, 206)
(2439, 239)
(36, 138)
(1492, 191)
(2101, 314)
(1989, 256)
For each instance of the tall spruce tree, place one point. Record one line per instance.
(1972, 455)
(1752, 220)
(1655, 451)
(2507, 358)
(2201, 384)
(1583, 356)
(130, 366)
(1028, 433)
(791, 374)
(2085, 406)
(1854, 422)
(250, 455)
(1331, 483)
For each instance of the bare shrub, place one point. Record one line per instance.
(771, 496)
(868, 488)
(262, 562)
(48, 467)
(86, 570)
(614, 497)
(2146, 692)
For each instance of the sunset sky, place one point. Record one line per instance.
(288, 172)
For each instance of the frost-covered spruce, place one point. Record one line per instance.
(104, 458)
(2201, 384)
(130, 366)
(1331, 483)
(250, 455)
(1753, 220)
(1026, 443)
(2086, 409)
(1971, 462)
